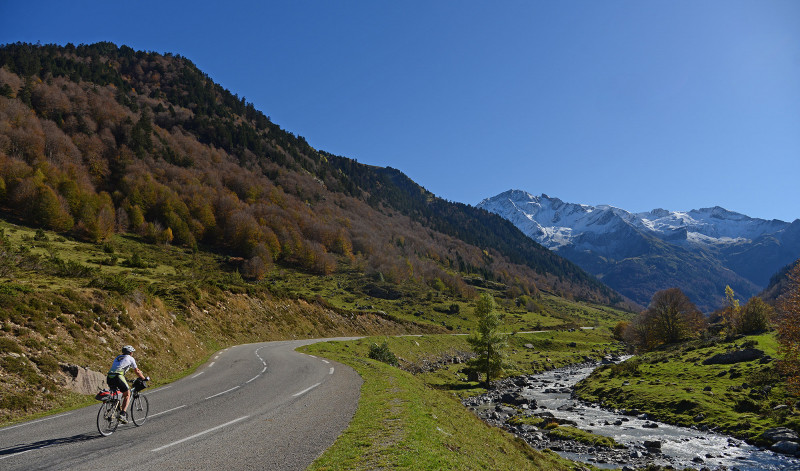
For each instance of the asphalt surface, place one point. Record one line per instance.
(256, 406)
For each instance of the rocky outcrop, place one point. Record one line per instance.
(736, 356)
(82, 380)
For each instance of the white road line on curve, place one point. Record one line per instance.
(33, 422)
(211, 364)
(223, 392)
(325, 361)
(200, 434)
(305, 390)
(252, 379)
(262, 371)
(168, 410)
(331, 372)
(198, 374)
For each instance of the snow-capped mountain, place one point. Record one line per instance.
(640, 253)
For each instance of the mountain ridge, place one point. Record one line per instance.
(712, 245)
(106, 139)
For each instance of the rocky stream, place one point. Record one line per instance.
(549, 395)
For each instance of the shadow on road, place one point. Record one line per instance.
(16, 449)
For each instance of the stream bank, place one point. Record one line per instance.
(549, 396)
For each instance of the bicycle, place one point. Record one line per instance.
(108, 415)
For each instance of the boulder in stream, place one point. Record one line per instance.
(780, 434)
(786, 447)
(652, 444)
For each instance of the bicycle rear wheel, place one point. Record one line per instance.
(139, 409)
(107, 419)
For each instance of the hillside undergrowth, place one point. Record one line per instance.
(70, 302)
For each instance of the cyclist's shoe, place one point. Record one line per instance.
(123, 418)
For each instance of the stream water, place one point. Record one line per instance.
(667, 445)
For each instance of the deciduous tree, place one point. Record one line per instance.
(755, 316)
(788, 325)
(732, 311)
(671, 317)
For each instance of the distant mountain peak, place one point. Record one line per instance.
(733, 247)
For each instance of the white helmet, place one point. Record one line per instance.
(127, 349)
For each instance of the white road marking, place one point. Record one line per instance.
(331, 372)
(200, 434)
(198, 374)
(325, 361)
(161, 388)
(216, 357)
(169, 410)
(305, 390)
(312, 356)
(223, 392)
(20, 453)
(33, 422)
(211, 364)
(252, 379)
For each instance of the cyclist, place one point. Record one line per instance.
(116, 378)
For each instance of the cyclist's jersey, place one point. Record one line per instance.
(122, 364)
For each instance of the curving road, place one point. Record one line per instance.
(255, 406)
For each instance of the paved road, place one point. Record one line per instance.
(256, 406)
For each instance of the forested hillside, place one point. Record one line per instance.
(779, 283)
(99, 139)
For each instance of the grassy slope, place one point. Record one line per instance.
(182, 306)
(670, 386)
(177, 311)
(424, 425)
(403, 424)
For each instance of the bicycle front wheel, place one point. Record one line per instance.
(107, 418)
(139, 409)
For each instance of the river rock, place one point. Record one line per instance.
(780, 434)
(652, 444)
(516, 399)
(786, 447)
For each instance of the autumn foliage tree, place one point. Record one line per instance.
(671, 317)
(732, 311)
(788, 326)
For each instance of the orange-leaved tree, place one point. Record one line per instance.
(788, 325)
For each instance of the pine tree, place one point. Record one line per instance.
(488, 342)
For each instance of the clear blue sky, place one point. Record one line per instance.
(673, 104)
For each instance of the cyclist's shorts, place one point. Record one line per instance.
(117, 382)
